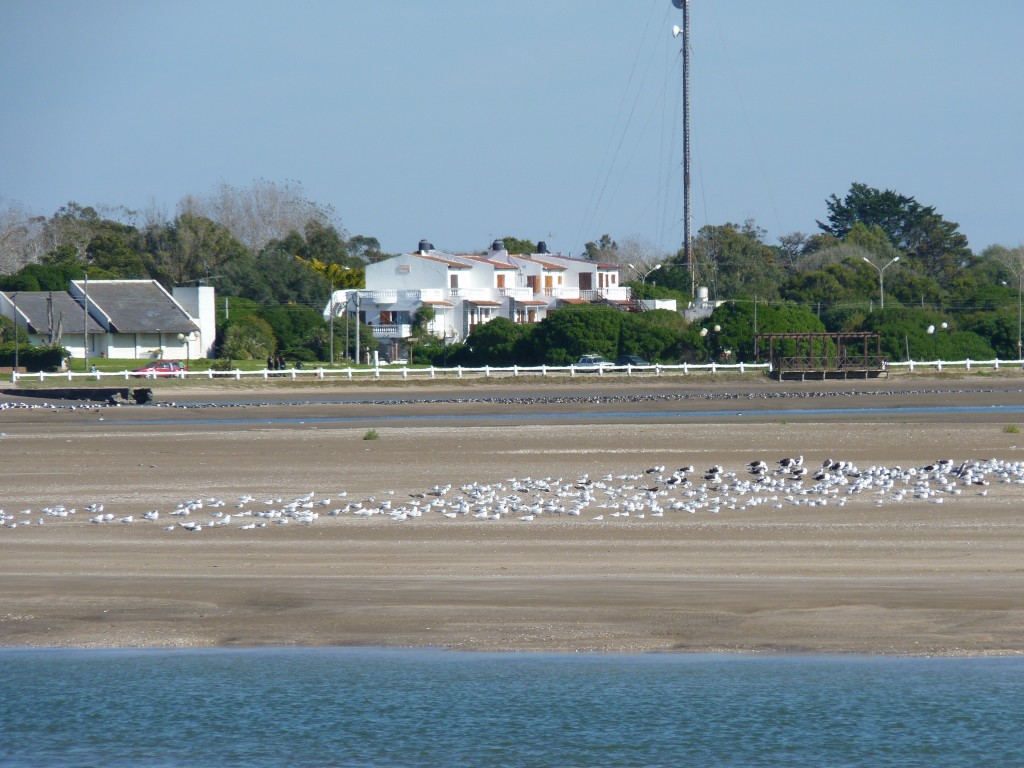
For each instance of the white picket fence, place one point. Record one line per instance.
(395, 372)
(405, 373)
(967, 365)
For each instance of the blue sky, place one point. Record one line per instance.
(460, 121)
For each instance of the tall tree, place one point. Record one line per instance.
(605, 249)
(261, 212)
(733, 260)
(518, 245)
(192, 249)
(20, 237)
(915, 229)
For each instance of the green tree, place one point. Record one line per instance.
(365, 249)
(498, 342)
(733, 261)
(605, 250)
(193, 249)
(248, 338)
(294, 326)
(567, 333)
(42, 277)
(914, 229)
(283, 279)
(653, 335)
(519, 246)
(737, 328)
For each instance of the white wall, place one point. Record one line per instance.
(200, 302)
(406, 272)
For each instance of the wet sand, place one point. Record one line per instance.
(871, 577)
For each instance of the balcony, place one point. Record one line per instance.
(616, 293)
(478, 294)
(395, 296)
(400, 331)
(561, 292)
(523, 293)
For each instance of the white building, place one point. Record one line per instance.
(467, 290)
(125, 319)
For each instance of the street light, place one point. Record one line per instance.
(1020, 284)
(187, 340)
(881, 281)
(345, 269)
(933, 332)
(655, 268)
(704, 333)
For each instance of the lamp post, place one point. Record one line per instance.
(85, 326)
(344, 269)
(356, 350)
(934, 333)
(881, 279)
(655, 268)
(332, 321)
(187, 340)
(703, 335)
(1020, 284)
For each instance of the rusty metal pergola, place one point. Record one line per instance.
(823, 355)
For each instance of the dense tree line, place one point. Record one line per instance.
(275, 256)
(256, 246)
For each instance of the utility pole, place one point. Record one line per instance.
(332, 321)
(684, 6)
(85, 327)
(356, 354)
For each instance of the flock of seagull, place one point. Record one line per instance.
(645, 494)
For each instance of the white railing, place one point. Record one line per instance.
(392, 331)
(392, 295)
(967, 365)
(480, 294)
(392, 372)
(522, 293)
(561, 292)
(611, 294)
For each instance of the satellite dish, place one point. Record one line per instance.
(679, 4)
(676, 30)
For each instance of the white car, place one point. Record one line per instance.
(592, 361)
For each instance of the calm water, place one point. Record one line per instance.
(367, 707)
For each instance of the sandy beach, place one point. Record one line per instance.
(870, 575)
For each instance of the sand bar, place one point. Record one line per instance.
(872, 576)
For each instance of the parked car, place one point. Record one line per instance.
(159, 368)
(630, 360)
(592, 361)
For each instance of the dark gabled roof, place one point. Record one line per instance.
(137, 306)
(33, 310)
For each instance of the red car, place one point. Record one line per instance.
(160, 368)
